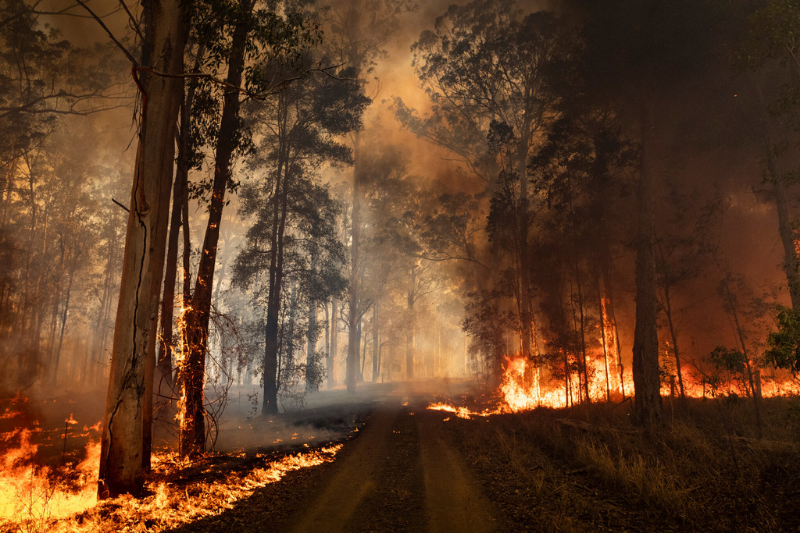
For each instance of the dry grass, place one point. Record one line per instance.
(702, 470)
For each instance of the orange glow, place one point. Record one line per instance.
(180, 361)
(521, 390)
(29, 501)
(39, 494)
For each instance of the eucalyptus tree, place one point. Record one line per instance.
(634, 63)
(360, 31)
(297, 132)
(241, 37)
(133, 347)
(484, 69)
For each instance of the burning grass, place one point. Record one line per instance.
(522, 389)
(33, 495)
(179, 493)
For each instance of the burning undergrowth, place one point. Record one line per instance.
(523, 387)
(49, 476)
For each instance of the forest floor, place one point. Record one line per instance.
(582, 469)
(403, 467)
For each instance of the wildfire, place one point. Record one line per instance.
(29, 501)
(521, 389)
(40, 494)
(460, 412)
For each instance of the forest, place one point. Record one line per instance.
(399, 265)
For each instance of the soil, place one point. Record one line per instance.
(403, 472)
(406, 468)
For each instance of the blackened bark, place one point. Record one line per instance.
(280, 199)
(646, 379)
(192, 437)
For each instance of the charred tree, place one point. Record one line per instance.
(192, 433)
(646, 379)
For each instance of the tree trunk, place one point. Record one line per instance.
(528, 336)
(63, 325)
(280, 198)
(583, 333)
(143, 259)
(410, 341)
(164, 365)
(785, 229)
(741, 336)
(674, 335)
(334, 345)
(375, 346)
(327, 342)
(605, 343)
(608, 289)
(192, 434)
(179, 192)
(790, 260)
(353, 340)
(362, 353)
(312, 380)
(646, 382)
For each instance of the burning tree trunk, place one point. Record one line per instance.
(604, 340)
(192, 434)
(608, 289)
(143, 260)
(164, 365)
(646, 382)
(179, 194)
(528, 331)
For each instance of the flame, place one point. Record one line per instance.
(521, 388)
(39, 494)
(180, 360)
(29, 501)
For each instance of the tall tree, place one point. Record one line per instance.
(484, 68)
(297, 134)
(133, 347)
(246, 32)
(361, 30)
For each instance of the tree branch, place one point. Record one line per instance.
(110, 34)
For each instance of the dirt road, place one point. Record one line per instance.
(400, 475)
(403, 472)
